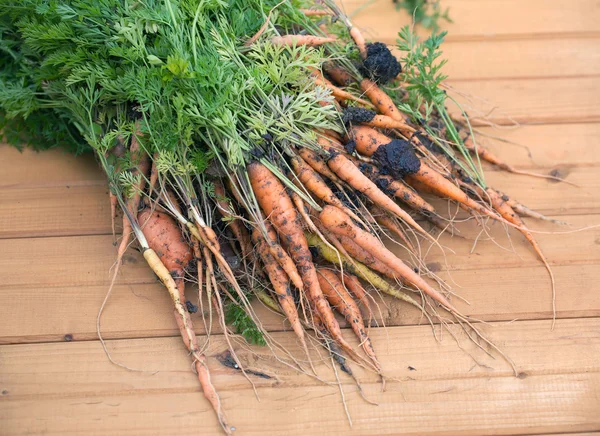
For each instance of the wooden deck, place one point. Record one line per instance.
(534, 62)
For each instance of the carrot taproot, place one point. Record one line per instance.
(363, 256)
(383, 219)
(385, 122)
(277, 205)
(359, 40)
(282, 258)
(153, 174)
(280, 281)
(168, 255)
(504, 209)
(229, 214)
(315, 12)
(342, 301)
(349, 173)
(383, 102)
(356, 289)
(340, 94)
(340, 224)
(338, 74)
(316, 185)
(296, 40)
(318, 164)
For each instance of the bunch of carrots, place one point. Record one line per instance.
(265, 146)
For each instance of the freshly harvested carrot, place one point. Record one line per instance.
(339, 93)
(385, 122)
(339, 75)
(315, 12)
(381, 100)
(315, 184)
(511, 216)
(363, 256)
(342, 301)
(327, 143)
(168, 255)
(282, 258)
(349, 173)
(296, 40)
(359, 40)
(330, 133)
(277, 205)
(318, 164)
(367, 139)
(141, 167)
(153, 175)
(280, 282)
(386, 221)
(356, 289)
(228, 213)
(340, 224)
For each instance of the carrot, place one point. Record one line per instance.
(315, 12)
(342, 301)
(359, 40)
(385, 122)
(153, 174)
(280, 282)
(228, 213)
(315, 184)
(386, 221)
(282, 258)
(339, 75)
(340, 224)
(357, 290)
(296, 40)
(349, 173)
(327, 143)
(367, 139)
(278, 207)
(168, 255)
(339, 93)
(358, 253)
(381, 100)
(511, 216)
(318, 164)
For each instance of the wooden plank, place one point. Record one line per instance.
(530, 58)
(506, 102)
(489, 19)
(48, 168)
(86, 260)
(546, 146)
(64, 387)
(85, 210)
(41, 313)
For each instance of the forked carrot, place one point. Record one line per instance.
(340, 224)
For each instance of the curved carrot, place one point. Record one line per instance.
(340, 224)
(364, 257)
(342, 301)
(357, 290)
(338, 93)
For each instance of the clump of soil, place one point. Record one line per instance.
(380, 64)
(397, 159)
(357, 115)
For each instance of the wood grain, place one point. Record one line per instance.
(85, 392)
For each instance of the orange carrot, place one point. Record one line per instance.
(280, 282)
(167, 256)
(229, 214)
(359, 40)
(348, 172)
(318, 164)
(385, 122)
(342, 301)
(282, 258)
(278, 207)
(315, 184)
(381, 100)
(357, 290)
(340, 224)
(153, 174)
(339, 75)
(339, 93)
(315, 12)
(296, 40)
(386, 221)
(364, 257)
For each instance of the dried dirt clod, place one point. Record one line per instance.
(380, 64)
(397, 159)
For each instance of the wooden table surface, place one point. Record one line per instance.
(535, 63)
